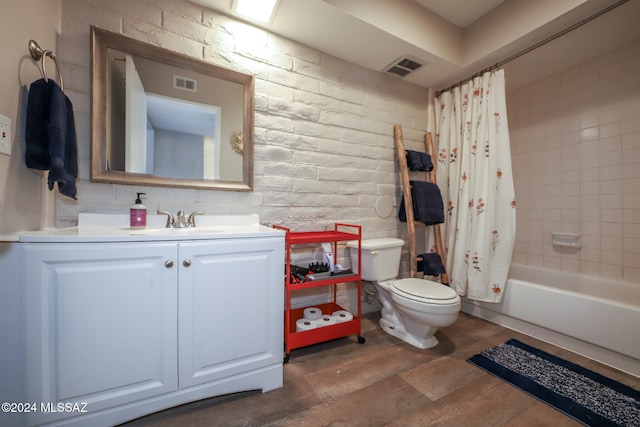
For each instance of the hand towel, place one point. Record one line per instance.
(64, 163)
(427, 203)
(417, 161)
(51, 137)
(431, 264)
(36, 136)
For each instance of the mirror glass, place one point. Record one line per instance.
(166, 119)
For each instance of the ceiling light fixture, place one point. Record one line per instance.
(255, 10)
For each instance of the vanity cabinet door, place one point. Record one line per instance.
(100, 324)
(230, 309)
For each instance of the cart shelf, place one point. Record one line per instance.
(325, 333)
(320, 236)
(325, 282)
(293, 339)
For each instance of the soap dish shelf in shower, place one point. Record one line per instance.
(567, 240)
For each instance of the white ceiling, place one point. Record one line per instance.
(460, 12)
(455, 38)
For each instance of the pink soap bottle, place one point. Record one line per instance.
(138, 214)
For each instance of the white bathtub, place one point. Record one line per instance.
(595, 317)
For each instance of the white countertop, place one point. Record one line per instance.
(113, 228)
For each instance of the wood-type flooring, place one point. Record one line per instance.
(386, 382)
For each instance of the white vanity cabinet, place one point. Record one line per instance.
(100, 324)
(229, 309)
(129, 328)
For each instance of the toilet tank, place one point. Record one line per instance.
(380, 258)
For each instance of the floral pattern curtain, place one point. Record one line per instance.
(474, 175)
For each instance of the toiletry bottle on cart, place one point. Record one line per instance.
(138, 214)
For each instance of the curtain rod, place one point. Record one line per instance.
(535, 46)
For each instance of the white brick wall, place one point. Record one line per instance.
(324, 149)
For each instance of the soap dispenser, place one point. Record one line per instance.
(138, 214)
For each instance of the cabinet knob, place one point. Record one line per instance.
(168, 263)
(186, 262)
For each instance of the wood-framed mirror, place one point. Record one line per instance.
(162, 118)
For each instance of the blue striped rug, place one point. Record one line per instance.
(584, 395)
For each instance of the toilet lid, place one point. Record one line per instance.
(424, 290)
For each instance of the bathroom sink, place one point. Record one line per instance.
(205, 225)
(184, 231)
(114, 227)
(156, 223)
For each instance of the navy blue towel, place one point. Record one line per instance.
(427, 203)
(431, 264)
(51, 136)
(64, 157)
(36, 134)
(418, 161)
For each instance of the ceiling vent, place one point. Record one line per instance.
(403, 66)
(185, 83)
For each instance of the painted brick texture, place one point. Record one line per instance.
(324, 149)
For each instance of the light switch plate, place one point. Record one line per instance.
(5, 135)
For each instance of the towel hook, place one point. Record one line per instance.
(38, 54)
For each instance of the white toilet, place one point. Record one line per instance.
(412, 309)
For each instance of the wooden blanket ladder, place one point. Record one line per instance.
(408, 202)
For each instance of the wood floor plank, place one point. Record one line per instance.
(375, 405)
(441, 376)
(487, 401)
(345, 376)
(542, 415)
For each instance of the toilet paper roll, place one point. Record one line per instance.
(305, 325)
(342, 316)
(326, 321)
(312, 313)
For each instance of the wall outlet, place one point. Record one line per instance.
(5, 135)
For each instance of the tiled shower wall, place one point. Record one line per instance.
(575, 140)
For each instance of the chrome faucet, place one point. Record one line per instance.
(170, 220)
(191, 222)
(180, 220)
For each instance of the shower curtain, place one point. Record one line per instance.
(474, 175)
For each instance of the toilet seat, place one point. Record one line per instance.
(425, 291)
